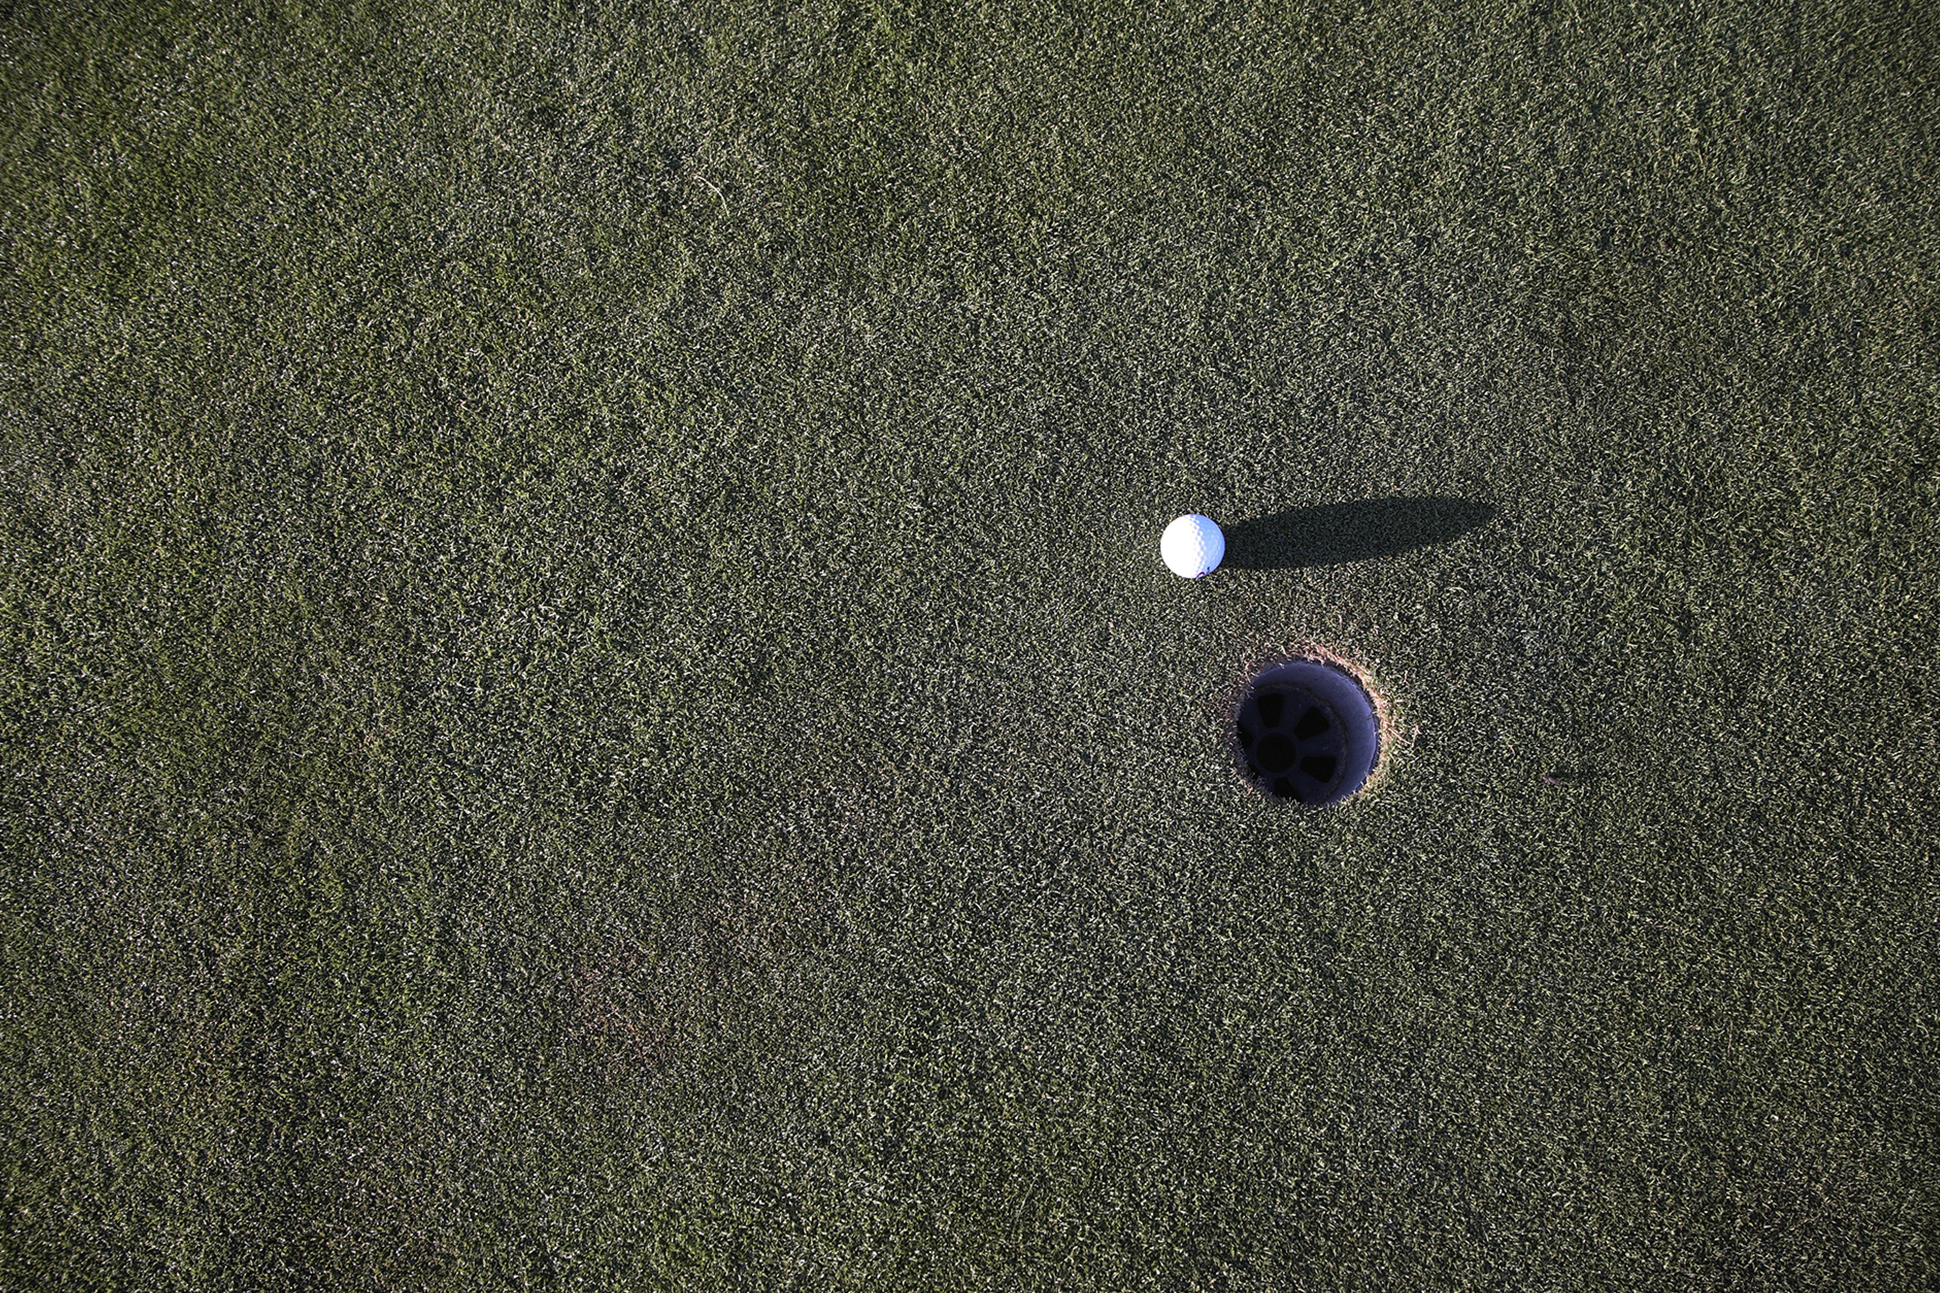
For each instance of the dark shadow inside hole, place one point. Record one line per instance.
(1312, 724)
(1276, 753)
(1271, 708)
(1320, 767)
(1284, 789)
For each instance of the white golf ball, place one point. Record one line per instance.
(1193, 546)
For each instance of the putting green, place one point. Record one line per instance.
(590, 698)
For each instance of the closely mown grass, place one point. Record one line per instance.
(589, 699)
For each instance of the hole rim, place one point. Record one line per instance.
(1353, 742)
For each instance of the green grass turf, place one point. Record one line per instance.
(589, 699)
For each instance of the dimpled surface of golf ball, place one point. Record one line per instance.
(1193, 546)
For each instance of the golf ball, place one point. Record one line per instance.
(1193, 546)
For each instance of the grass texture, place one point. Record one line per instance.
(589, 699)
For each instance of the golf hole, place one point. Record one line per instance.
(1307, 733)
